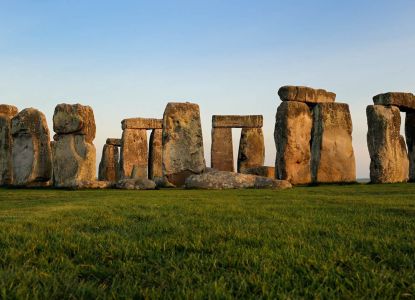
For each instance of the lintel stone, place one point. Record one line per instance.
(404, 101)
(142, 123)
(305, 94)
(113, 142)
(237, 121)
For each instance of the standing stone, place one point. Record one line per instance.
(292, 139)
(134, 152)
(251, 149)
(108, 167)
(182, 142)
(389, 159)
(222, 149)
(332, 156)
(6, 113)
(410, 142)
(31, 153)
(155, 164)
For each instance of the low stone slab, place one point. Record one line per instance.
(263, 171)
(142, 123)
(8, 110)
(230, 180)
(305, 94)
(136, 184)
(221, 153)
(237, 121)
(404, 101)
(114, 142)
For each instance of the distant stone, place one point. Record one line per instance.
(182, 142)
(114, 142)
(251, 149)
(332, 155)
(231, 180)
(155, 160)
(292, 139)
(31, 153)
(237, 121)
(410, 142)
(221, 155)
(305, 94)
(74, 119)
(109, 165)
(142, 123)
(136, 184)
(404, 101)
(134, 152)
(8, 110)
(263, 171)
(389, 158)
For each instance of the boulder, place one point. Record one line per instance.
(389, 159)
(332, 155)
(134, 152)
(136, 184)
(109, 167)
(410, 142)
(236, 121)
(74, 119)
(141, 123)
(404, 101)
(182, 142)
(292, 139)
(155, 164)
(251, 149)
(31, 153)
(221, 155)
(230, 180)
(74, 160)
(263, 171)
(305, 94)
(6, 113)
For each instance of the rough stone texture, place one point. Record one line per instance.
(221, 153)
(230, 180)
(305, 94)
(74, 119)
(410, 142)
(155, 163)
(389, 159)
(31, 153)
(74, 160)
(251, 149)
(236, 121)
(114, 142)
(162, 182)
(8, 110)
(95, 184)
(332, 155)
(263, 171)
(6, 113)
(136, 184)
(134, 152)
(292, 139)
(404, 101)
(182, 142)
(142, 123)
(109, 167)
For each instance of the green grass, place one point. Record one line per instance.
(354, 241)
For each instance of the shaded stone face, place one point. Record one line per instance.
(134, 153)
(389, 159)
(332, 155)
(263, 171)
(142, 123)
(292, 136)
(114, 142)
(31, 153)
(404, 101)
(182, 142)
(155, 164)
(251, 149)
(6, 113)
(305, 94)
(109, 167)
(74, 119)
(236, 121)
(410, 142)
(222, 149)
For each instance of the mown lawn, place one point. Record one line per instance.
(354, 241)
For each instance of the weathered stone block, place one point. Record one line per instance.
(222, 149)
(109, 165)
(114, 142)
(235, 121)
(141, 123)
(332, 155)
(305, 94)
(155, 163)
(251, 149)
(404, 101)
(8, 110)
(389, 158)
(134, 152)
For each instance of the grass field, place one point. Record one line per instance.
(353, 241)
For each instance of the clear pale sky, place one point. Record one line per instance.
(129, 58)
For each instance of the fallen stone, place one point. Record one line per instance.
(8, 110)
(292, 139)
(162, 182)
(155, 161)
(221, 155)
(109, 165)
(410, 142)
(235, 121)
(332, 155)
(182, 142)
(263, 171)
(74, 119)
(31, 153)
(141, 123)
(404, 101)
(251, 149)
(389, 159)
(305, 94)
(134, 152)
(136, 184)
(95, 185)
(231, 180)
(113, 142)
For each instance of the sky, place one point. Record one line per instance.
(129, 58)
